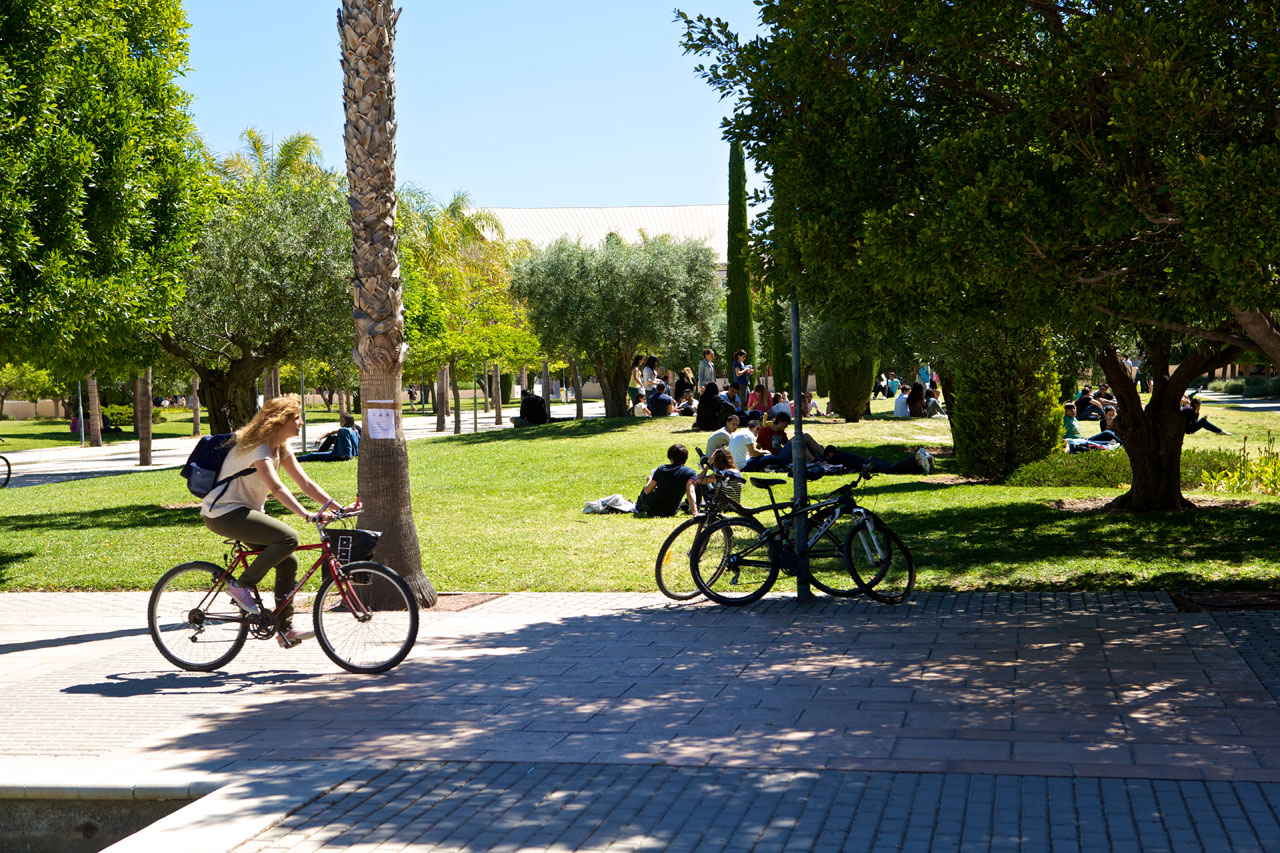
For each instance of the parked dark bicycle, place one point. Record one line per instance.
(737, 560)
(365, 616)
(5, 469)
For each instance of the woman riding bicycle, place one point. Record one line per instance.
(238, 511)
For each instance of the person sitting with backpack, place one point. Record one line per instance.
(235, 507)
(338, 446)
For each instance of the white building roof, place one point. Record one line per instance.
(542, 226)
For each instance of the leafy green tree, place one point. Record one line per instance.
(740, 330)
(101, 189)
(619, 299)
(1087, 163)
(271, 282)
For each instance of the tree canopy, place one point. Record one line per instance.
(271, 281)
(613, 301)
(1081, 162)
(101, 188)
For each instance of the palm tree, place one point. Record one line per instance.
(296, 154)
(366, 33)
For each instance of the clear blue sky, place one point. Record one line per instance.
(521, 104)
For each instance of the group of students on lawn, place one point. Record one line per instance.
(755, 447)
(1101, 407)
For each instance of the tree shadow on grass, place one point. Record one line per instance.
(998, 539)
(547, 432)
(127, 517)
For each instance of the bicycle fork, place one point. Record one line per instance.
(870, 542)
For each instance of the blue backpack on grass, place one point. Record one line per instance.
(204, 463)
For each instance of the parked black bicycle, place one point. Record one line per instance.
(5, 469)
(737, 560)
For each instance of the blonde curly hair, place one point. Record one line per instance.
(260, 430)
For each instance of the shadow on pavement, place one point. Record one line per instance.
(154, 683)
(73, 640)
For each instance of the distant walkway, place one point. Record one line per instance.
(60, 464)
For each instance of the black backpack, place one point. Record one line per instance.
(204, 463)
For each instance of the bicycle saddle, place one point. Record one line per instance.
(762, 483)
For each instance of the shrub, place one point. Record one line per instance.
(1002, 425)
(1259, 474)
(1109, 469)
(122, 416)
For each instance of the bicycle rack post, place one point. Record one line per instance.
(800, 486)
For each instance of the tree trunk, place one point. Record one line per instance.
(1262, 329)
(484, 385)
(229, 399)
(366, 33)
(613, 385)
(1152, 435)
(442, 398)
(495, 389)
(577, 388)
(94, 415)
(457, 396)
(142, 410)
(195, 403)
(524, 378)
(546, 384)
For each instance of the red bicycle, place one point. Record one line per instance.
(365, 616)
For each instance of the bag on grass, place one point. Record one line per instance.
(204, 463)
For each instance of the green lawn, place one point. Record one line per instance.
(502, 511)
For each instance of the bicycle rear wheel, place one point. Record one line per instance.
(366, 619)
(673, 570)
(733, 561)
(882, 566)
(191, 623)
(5, 471)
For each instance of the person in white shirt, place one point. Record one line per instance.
(900, 409)
(743, 444)
(720, 438)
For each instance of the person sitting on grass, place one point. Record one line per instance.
(721, 437)
(932, 405)
(1108, 423)
(743, 444)
(1193, 421)
(710, 406)
(640, 409)
(533, 410)
(722, 461)
(339, 445)
(661, 405)
(668, 485)
(900, 409)
(688, 406)
(1070, 425)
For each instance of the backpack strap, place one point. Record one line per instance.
(225, 483)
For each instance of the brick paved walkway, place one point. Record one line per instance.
(961, 722)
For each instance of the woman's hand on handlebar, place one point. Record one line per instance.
(354, 508)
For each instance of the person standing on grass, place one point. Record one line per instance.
(741, 370)
(238, 510)
(707, 368)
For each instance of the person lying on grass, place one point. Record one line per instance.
(921, 462)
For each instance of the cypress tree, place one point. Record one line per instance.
(740, 332)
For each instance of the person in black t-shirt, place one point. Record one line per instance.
(533, 410)
(668, 485)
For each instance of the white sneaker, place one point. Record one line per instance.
(292, 637)
(925, 460)
(243, 598)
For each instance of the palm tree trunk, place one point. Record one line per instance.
(366, 33)
(95, 411)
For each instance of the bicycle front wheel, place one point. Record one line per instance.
(5, 471)
(191, 623)
(829, 566)
(673, 570)
(366, 619)
(881, 565)
(733, 561)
